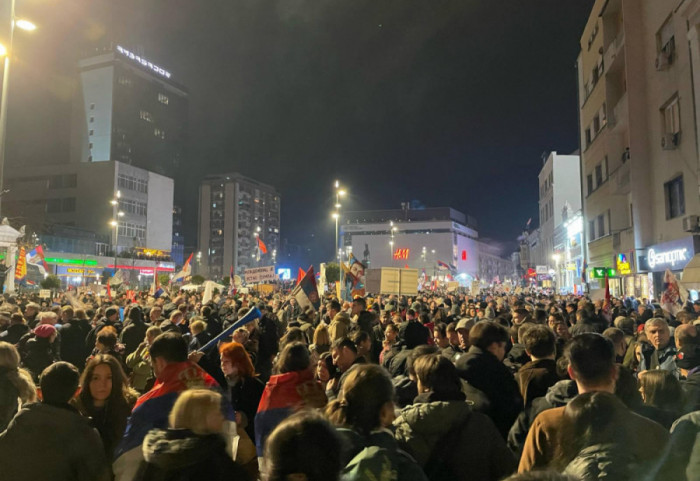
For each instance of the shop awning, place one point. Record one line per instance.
(691, 274)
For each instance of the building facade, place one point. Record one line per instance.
(129, 110)
(234, 211)
(560, 201)
(124, 206)
(639, 136)
(423, 239)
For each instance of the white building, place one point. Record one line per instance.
(81, 195)
(422, 239)
(560, 200)
(639, 137)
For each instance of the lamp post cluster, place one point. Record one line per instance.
(116, 214)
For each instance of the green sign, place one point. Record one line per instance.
(72, 262)
(599, 272)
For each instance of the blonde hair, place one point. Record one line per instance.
(198, 326)
(20, 378)
(321, 336)
(192, 409)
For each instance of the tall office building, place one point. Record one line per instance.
(639, 140)
(129, 109)
(233, 211)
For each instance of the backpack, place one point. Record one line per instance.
(375, 463)
(438, 467)
(605, 462)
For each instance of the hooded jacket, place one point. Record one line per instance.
(480, 453)
(558, 395)
(340, 326)
(535, 378)
(69, 448)
(180, 455)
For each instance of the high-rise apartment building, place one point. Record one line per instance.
(234, 211)
(129, 109)
(639, 140)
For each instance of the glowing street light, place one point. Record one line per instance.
(3, 50)
(25, 25)
(339, 192)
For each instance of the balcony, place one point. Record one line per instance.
(615, 54)
(617, 119)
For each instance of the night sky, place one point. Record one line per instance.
(451, 103)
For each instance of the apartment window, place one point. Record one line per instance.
(589, 180)
(588, 136)
(159, 133)
(90, 145)
(92, 119)
(596, 124)
(68, 204)
(145, 115)
(671, 114)
(70, 180)
(132, 183)
(598, 175)
(601, 225)
(91, 132)
(591, 229)
(92, 106)
(666, 42)
(163, 99)
(675, 198)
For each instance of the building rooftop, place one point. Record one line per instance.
(236, 177)
(409, 215)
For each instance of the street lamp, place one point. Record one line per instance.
(557, 258)
(339, 192)
(6, 51)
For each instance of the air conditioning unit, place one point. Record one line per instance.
(670, 141)
(691, 223)
(663, 61)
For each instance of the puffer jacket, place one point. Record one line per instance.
(558, 395)
(604, 462)
(340, 326)
(481, 453)
(180, 455)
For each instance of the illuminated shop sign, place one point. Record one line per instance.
(623, 267)
(143, 61)
(673, 255)
(401, 254)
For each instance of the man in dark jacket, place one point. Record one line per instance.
(70, 448)
(16, 330)
(363, 319)
(73, 335)
(538, 375)
(482, 367)
(134, 331)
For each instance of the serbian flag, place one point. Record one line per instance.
(280, 399)
(21, 269)
(306, 292)
(674, 295)
(152, 409)
(185, 272)
(300, 275)
(443, 266)
(35, 257)
(261, 246)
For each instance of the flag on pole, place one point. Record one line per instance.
(117, 279)
(35, 257)
(300, 275)
(261, 246)
(156, 290)
(21, 268)
(185, 272)
(443, 266)
(306, 292)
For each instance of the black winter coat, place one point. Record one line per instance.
(70, 449)
(73, 348)
(486, 373)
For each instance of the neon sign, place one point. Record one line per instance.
(401, 254)
(143, 61)
(623, 267)
(667, 257)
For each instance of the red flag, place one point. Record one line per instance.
(109, 292)
(262, 246)
(300, 275)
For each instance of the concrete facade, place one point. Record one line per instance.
(639, 134)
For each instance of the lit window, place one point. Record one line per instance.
(163, 99)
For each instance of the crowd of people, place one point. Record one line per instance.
(440, 386)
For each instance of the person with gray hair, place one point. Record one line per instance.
(662, 352)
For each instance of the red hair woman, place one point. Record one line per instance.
(244, 387)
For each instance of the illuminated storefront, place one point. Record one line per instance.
(673, 255)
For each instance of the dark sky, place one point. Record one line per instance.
(449, 102)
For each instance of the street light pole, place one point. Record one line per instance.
(339, 192)
(24, 25)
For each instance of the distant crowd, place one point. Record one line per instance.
(439, 386)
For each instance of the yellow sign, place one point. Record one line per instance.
(570, 266)
(623, 267)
